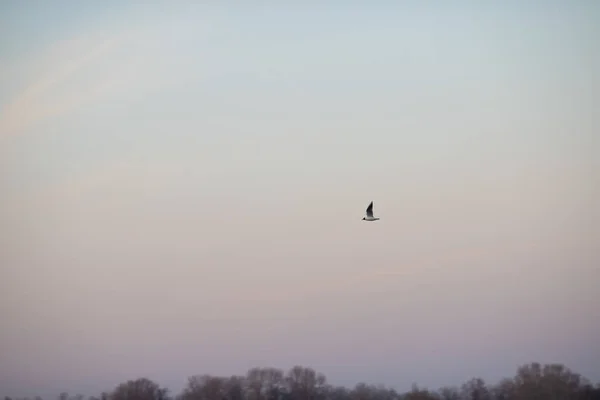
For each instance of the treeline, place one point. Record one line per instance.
(531, 382)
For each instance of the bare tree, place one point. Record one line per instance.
(254, 384)
(419, 394)
(476, 389)
(532, 381)
(305, 384)
(589, 392)
(264, 384)
(363, 391)
(336, 393)
(234, 388)
(449, 393)
(205, 387)
(139, 389)
(505, 390)
(548, 382)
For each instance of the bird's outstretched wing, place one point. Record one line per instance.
(370, 210)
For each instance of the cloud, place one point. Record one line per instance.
(61, 61)
(157, 51)
(74, 72)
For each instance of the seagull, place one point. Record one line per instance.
(370, 216)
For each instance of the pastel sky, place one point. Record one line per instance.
(183, 186)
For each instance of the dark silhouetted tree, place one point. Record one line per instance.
(536, 382)
(417, 393)
(589, 392)
(305, 384)
(234, 388)
(139, 389)
(337, 393)
(475, 389)
(363, 391)
(532, 382)
(265, 384)
(504, 390)
(205, 387)
(449, 393)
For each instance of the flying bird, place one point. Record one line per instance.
(370, 216)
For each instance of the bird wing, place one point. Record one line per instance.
(370, 210)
